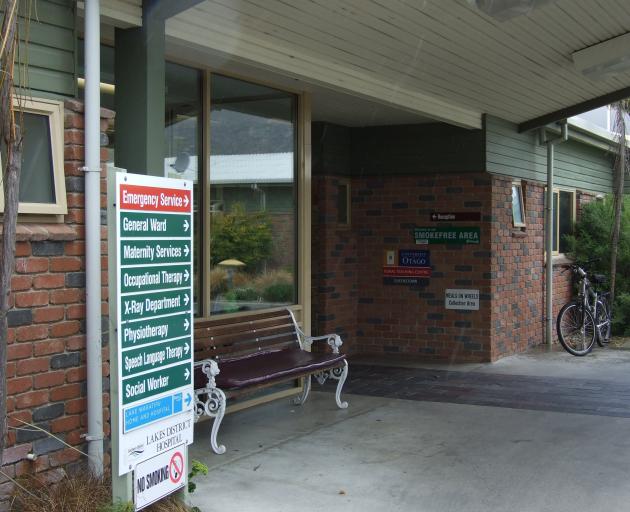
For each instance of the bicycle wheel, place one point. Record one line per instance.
(576, 329)
(603, 323)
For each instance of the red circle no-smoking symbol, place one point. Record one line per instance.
(176, 467)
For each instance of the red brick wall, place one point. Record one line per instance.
(334, 266)
(517, 270)
(350, 297)
(46, 354)
(403, 319)
(348, 290)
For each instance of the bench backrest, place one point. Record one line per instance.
(231, 337)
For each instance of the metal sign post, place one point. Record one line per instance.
(151, 306)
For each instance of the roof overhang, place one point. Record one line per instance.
(439, 59)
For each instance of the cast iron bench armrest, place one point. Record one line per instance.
(333, 340)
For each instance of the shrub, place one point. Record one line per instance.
(242, 294)
(279, 292)
(592, 242)
(242, 236)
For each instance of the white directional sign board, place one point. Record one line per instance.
(461, 299)
(160, 476)
(154, 255)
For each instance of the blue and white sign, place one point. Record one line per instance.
(413, 258)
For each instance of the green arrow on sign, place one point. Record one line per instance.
(148, 224)
(154, 383)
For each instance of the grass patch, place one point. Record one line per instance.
(79, 492)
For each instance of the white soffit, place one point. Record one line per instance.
(437, 58)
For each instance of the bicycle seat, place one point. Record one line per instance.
(598, 278)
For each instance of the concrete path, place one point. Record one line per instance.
(387, 454)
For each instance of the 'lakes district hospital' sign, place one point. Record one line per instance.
(154, 274)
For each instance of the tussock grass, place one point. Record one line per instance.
(80, 492)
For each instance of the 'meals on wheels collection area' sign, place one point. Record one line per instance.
(154, 316)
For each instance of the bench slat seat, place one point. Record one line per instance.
(239, 355)
(268, 366)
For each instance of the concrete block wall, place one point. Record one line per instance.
(46, 373)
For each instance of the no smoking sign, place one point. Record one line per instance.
(160, 476)
(176, 467)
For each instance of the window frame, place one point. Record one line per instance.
(344, 182)
(302, 192)
(54, 110)
(556, 205)
(516, 224)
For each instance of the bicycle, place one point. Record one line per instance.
(583, 321)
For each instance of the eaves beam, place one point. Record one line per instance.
(164, 9)
(574, 110)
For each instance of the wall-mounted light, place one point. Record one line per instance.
(503, 10)
(605, 59)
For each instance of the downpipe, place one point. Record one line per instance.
(92, 169)
(550, 143)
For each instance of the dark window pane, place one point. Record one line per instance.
(554, 211)
(37, 179)
(566, 219)
(342, 203)
(517, 205)
(182, 143)
(252, 196)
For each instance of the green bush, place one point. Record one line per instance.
(242, 294)
(279, 292)
(242, 236)
(592, 242)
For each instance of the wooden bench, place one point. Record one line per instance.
(238, 355)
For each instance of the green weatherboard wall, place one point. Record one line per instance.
(577, 165)
(51, 51)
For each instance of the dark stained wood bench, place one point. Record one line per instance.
(239, 355)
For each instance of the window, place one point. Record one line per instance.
(182, 143)
(253, 207)
(42, 181)
(343, 203)
(563, 214)
(237, 141)
(518, 206)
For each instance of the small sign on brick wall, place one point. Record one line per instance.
(461, 299)
(446, 235)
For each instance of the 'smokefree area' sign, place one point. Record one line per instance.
(154, 248)
(446, 235)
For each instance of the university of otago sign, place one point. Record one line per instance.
(154, 259)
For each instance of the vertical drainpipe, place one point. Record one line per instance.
(92, 170)
(550, 143)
